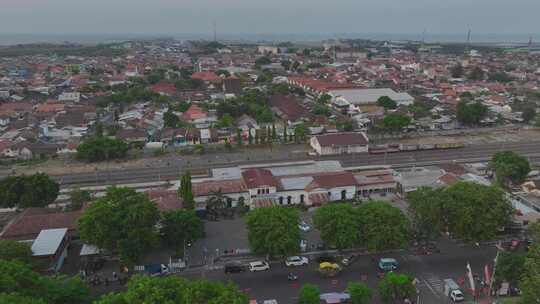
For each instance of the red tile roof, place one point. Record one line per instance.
(195, 112)
(165, 200)
(226, 186)
(257, 178)
(206, 76)
(164, 88)
(288, 107)
(342, 139)
(29, 223)
(332, 180)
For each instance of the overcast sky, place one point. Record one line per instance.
(268, 16)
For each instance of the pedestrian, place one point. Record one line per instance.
(115, 276)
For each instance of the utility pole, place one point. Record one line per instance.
(468, 42)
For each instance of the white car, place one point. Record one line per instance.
(304, 226)
(296, 261)
(258, 266)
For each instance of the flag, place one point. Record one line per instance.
(487, 274)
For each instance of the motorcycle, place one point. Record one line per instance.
(292, 277)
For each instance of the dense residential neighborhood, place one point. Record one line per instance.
(342, 171)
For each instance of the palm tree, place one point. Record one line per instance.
(216, 202)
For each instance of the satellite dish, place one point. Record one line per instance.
(253, 132)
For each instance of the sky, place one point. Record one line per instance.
(269, 16)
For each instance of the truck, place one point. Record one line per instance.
(452, 290)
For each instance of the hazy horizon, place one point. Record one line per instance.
(279, 17)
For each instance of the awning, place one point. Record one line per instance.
(318, 199)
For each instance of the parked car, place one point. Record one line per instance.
(304, 226)
(258, 266)
(349, 259)
(296, 261)
(388, 264)
(234, 268)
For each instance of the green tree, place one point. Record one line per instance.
(180, 227)
(239, 140)
(250, 136)
(21, 283)
(510, 266)
(262, 61)
(185, 191)
(457, 71)
(226, 121)
(14, 298)
(170, 120)
(122, 221)
(175, 290)
(530, 279)
(501, 76)
(476, 74)
(78, 198)
(338, 224)
(15, 251)
(474, 212)
(98, 149)
(309, 294)
(300, 132)
(285, 135)
(386, 102)
(510, 167)
(273, 231)
(394, 122)
(359, 292)
(470, 113)
(223, 73)
(37, 190)
(321, 109)
(533, 232)
(425, 208)
(382, 226)
(274, 134)
(394, 287)
(324, 99)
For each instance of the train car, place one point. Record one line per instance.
(426, 147)
(408, 147)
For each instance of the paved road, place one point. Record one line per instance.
(430, 270)
(174, 166)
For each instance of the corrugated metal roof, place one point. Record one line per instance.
(296, 183)
(48, 241)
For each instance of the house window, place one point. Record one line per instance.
(301, 199)
(344, 194)
(289, 199)
(258, 191)
(281, 200)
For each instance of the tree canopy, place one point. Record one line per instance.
(22, 285)
(394, 122)
(96, 149)
(338, 224)
(510, 167)
(175, 290)
(470, 113)
(273, 231)
(15, 251)
(396, 287)
(382, 226)
(530, 279)
(181, 226)
(386, 102)
(122, 221)
(510, 267)
(24, 191)
(309, 294)
(185, 191)
(425, 207)
(359, 292)
(470, 211)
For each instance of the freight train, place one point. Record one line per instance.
(392, 148)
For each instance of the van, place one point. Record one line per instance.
(388, 264)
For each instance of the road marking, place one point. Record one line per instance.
(434, 284)
(431, 288)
